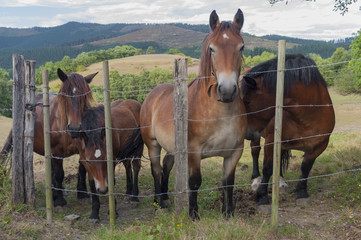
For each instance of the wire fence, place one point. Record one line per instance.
(147, 88)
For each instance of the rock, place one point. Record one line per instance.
(72, 217)
(303, 202)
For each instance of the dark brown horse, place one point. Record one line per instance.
(127, 147)
(215, 128)
(308, 112)
(66, 110)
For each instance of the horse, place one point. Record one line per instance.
(216, 126)
(308, 115)
(127, 147)
(66, 109)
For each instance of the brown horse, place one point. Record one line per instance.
(215, 128)
(127, 147)
(308, 112)
(66, 109)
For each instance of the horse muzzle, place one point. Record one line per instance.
(226, 93)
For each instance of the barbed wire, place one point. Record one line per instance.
(207, 189)
(207, 120)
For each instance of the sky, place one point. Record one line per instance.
(298, 18)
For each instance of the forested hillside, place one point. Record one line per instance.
(70, 39)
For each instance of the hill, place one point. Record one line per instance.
(70, 39)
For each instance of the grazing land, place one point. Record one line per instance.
(333, 213)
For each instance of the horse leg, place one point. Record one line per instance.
(194, 182)
(168, 162)
(154, 154)
(129, 176)
(262, 191)
(307, 163)
(255, 150)
(81, 186)
(136, 165)
(229, 169)
(95, 199)
(57, 178)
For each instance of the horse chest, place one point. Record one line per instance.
(223, 137)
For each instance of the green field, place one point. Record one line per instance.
(334, 213)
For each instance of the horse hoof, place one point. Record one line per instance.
(167, 203)
(194, 215)
(303, 202)
(264, 209)
(255, 183)
(94, 221)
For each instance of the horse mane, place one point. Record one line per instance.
(93, 118)
(77, 81)
(301, 68)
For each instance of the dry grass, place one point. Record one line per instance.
(134, 65)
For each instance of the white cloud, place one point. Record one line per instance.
(298, 18)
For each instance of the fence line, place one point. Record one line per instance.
(207, 120)
(211, 189)
(231, 149)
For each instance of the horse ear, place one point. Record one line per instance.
(90, 77)
(250, 82)
(238, 19)
(62, 75)
(213, 20)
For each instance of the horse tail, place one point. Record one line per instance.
(133, 148)
(285, 158)
(7, 147)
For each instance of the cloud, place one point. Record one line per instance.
(298, 18)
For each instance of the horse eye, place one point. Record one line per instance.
(242, 48)
(212, 50)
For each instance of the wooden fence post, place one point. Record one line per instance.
(29, 132)
(17, 168)
(181, 134)
(278, 132)
(47, 148)
(109, 141)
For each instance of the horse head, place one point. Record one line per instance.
(75, 97)
(222, 56)
(93, 147)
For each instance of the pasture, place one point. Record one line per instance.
(334, 213)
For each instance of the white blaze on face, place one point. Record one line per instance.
(97, 153)
(74, 90)
(225, 36)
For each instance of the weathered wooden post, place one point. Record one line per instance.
(47, 148)
(181, 134)
(29, 132)
(17, 168)
(109, 141)
(278, 132)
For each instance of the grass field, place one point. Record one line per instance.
(334, 213)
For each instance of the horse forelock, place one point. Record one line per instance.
(298, 69)
(78, 82)
(93, 123)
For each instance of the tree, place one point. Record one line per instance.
(6, 93)
(150, 50)
(355, 65)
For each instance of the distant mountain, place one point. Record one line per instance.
(70, 39)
